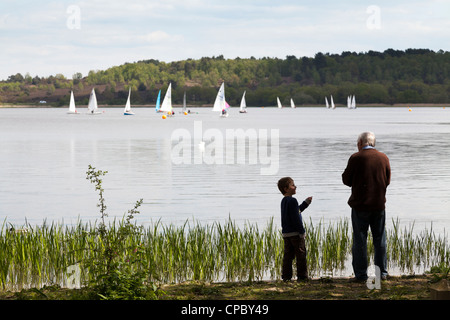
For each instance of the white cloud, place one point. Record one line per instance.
(156, 36)
(114, 32)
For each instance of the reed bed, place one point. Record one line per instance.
(46, 255)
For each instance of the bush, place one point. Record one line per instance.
(117, 272)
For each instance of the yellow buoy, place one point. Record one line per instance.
(409, 109)
(164, 116)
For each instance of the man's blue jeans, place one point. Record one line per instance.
(361, 221)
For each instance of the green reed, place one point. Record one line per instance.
(409, 251)
(196, 251)
(327, 246)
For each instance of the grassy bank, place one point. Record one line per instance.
(407, 287)
(212, 253)
(396, 288)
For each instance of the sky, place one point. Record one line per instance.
(45, 37)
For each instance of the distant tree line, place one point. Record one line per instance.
(392, 76)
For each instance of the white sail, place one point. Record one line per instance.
(279, 103)
(243, 106)
(166, 105)
(292, 103)
(184, 102)
(326, 103)
(332, 103)
(72, 107)
(92, 105)
(127, 110)
(219, 104)
(351, 103)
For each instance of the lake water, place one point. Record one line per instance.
(45, 152)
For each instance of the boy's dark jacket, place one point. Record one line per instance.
(291, 219)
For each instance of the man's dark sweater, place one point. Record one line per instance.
(368, 173)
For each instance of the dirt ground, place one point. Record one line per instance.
(395, 288)
(416, 287)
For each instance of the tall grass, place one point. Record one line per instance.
(410, 251)
(195, 251)
(327, 246)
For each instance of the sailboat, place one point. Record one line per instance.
(326, 103)
(92, 105)
(243, 106)
(127, 111)
(158, 105)
(220, 104)
(279, 103)
(351, 103)
(332, 103)
(184, 103)
(72, 107)
(292, 103)
(166, 105)
(224, 111)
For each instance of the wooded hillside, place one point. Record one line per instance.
(389, 77)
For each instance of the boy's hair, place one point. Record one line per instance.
(283, 184)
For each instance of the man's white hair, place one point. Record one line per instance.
(367, 139)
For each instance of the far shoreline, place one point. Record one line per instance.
(368, 105)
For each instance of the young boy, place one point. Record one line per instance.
(292, 230)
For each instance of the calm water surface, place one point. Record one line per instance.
(45, 152)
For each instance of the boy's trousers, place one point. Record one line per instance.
(294, 247)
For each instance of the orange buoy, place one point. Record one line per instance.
(164, 116)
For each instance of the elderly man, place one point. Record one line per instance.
(368, 173)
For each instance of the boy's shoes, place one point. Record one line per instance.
(357, 280)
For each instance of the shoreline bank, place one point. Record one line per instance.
(406, 287)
